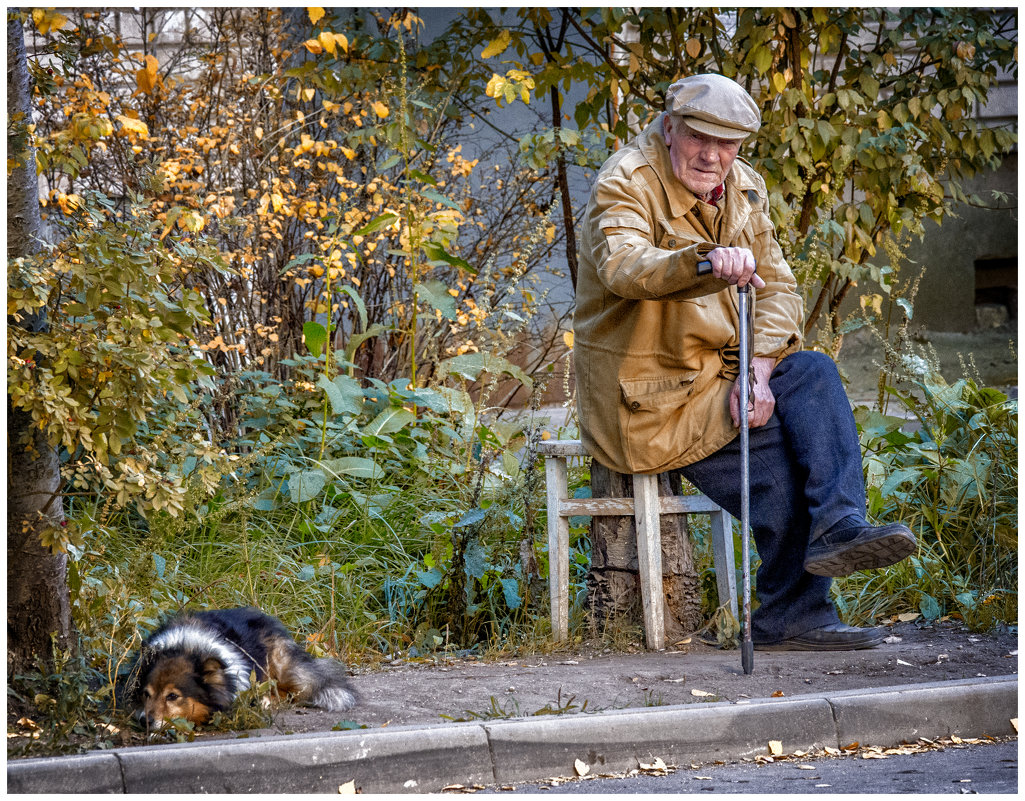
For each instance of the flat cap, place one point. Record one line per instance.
(714, 105)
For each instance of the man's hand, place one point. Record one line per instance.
(761, 401)
(735, 266)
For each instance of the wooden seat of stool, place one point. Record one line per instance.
(645, 507)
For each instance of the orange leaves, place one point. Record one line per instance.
(131, 125)
(48, 20)
(148, 79)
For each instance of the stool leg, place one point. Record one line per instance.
(722, 557)
(556, 484)
(649, 557)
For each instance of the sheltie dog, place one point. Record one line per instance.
(197, 663)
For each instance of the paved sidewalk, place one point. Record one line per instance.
(521, 719)
(429, 758)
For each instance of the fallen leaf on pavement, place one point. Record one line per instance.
(1014, 722)
(349, 788)
(676, 681)
(701, 694)
(907, 617)
(777, 694)
(582, 768)
(775, 747)
(902, 662)
(658, 766)
(806, 767)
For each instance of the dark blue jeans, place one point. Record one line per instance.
(806, 476)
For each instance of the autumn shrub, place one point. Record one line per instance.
(952, 477)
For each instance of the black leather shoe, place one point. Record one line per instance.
(849, 550)
(834, 637)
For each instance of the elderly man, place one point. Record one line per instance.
(656, 358)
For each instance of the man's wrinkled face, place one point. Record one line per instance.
(700, 162)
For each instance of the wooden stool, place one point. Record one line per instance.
(645, 507)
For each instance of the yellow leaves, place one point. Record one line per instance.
(147, 79)
(349, 153)
(380, 109)
(69, 204)
(273, 201)
(515, 82)
(88, 127)
(779, 82)
(132, 125)
(550, 234)
(220, 207)
(47, 20)
(192, 221)
(316, 14)
(497, 46)
(329, 42)
(965, 51)
(218, 343)
(567, 338)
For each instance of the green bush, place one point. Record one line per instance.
(952, 477)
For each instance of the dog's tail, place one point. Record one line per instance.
(320, 682)
(329, 685)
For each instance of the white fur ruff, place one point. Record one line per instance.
(197, 639)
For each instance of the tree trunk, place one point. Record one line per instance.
(614, 581)
(38, 608)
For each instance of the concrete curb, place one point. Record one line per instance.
(426, 759)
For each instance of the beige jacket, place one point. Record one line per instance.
(652, 339)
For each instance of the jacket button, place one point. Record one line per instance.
(635, 405)
(672, 243)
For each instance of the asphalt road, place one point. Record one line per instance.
(989, 768)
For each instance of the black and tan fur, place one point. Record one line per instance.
(197, 663)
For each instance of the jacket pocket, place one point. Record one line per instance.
(651, 417)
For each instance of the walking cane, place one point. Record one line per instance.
(743, 296)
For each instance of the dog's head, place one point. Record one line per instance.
(181, 686)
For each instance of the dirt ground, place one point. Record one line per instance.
(583, 680)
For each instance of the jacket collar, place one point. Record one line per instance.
(652, 145)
